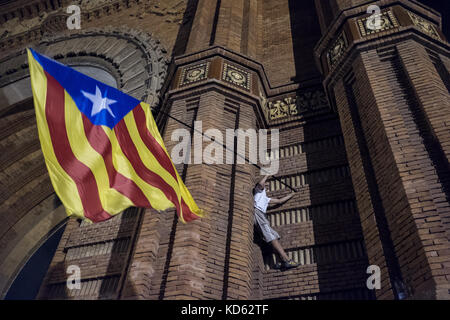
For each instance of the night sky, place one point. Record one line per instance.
(442, 6)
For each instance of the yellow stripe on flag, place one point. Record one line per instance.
(112, 201)
(63, 184)
(147, 156)
(185, 194)
(154, 195)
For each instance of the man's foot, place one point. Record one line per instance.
(285, 265)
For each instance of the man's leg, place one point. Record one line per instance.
(279, 249)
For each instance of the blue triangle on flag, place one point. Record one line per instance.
(102, 104)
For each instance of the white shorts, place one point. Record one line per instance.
(268, 234)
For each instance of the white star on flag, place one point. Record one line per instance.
(99, 103)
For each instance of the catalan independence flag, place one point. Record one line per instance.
(102, 148)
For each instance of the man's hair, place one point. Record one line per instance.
(257, 188)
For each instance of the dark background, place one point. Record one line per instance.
(443, 7)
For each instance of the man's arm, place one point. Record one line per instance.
(282, 200)
(263, 181)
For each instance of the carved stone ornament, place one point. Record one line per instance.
(278, 109)
(369, 25)
(337, 49)
(424, 25)
(194, 73)
(236, 76)
(143, 61)
(311, 100)
(294, 106)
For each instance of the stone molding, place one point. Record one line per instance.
(398, 17)
(44, 18)
(137, 61)
(212, 66)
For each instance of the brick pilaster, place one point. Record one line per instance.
(391, 93)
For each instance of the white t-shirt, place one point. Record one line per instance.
(261, 201)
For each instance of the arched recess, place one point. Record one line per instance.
(29, 209)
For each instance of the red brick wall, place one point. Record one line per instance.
(319, 226)
(397, 167)
(290, 31)
(391, 91)
(379, 198)
(101, 251)
(209, 258)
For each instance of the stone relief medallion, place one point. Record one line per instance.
(337, 49)
(236, 76)
(278, 110)
(368, 25)
(194, 73)
(303, 102)
(292, 103)
(424, 25)
(311, 100)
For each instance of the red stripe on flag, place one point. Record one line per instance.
(78, 171)
(151, 143)
(188, 215)
(159, 153)
(130, 151)
(100, 142)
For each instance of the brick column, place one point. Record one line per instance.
(430, 83)
(232, 24)
(391, 92)
(210, 257)
(359, 163)
(202, 26)
(431, 89)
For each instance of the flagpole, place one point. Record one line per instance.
(225, 147)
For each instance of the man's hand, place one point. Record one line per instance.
(263, 180)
